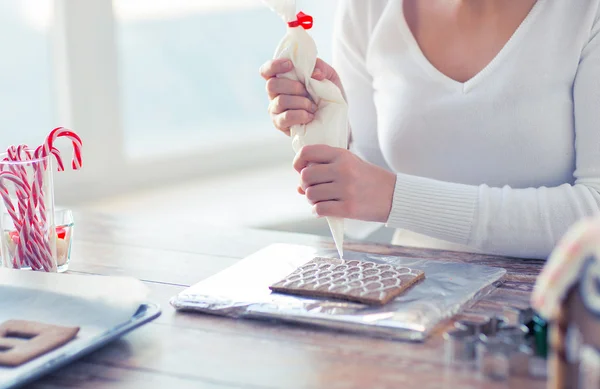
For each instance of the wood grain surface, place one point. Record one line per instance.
(185, 350)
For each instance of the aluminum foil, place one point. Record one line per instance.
(242, 291)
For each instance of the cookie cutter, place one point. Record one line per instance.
(495, 347)
(461, 342)
(488, 325)
(460, 346)
(516, 334)
(493, 357)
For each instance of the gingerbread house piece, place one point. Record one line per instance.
(567, 295)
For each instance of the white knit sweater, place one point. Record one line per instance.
(503, 163)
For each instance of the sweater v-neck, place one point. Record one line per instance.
(465, 86)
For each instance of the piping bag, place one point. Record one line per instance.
(330, 123)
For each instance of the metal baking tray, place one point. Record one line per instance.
(18, 376)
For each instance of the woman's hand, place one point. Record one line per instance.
(290, 103)
(340, 184)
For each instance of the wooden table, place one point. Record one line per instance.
(201, 351)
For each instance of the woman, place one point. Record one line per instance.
(475, 123)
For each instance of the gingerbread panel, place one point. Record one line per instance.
(21, 341)
(360, 281)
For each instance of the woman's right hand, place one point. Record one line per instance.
(290, 103)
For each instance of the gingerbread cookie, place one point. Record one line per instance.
(21, 341)
(361, 281)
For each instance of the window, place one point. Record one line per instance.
(25, 72)
(189, 70)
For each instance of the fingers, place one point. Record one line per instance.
(290, 118)
(316, 174)
(283, 86)
(314, 154)
(283, 103)
(322, 192)
(274, 67)
(331, 209)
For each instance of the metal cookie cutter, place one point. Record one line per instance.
(494, 356)
(481, 324)
(460, 346)
(496, 348)
(461, 342)
(516, 334)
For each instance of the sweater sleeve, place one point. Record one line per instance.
(514, 222)
(355, 20)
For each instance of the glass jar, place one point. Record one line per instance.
(28, 239)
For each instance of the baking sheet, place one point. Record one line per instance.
(11, 378)
(243, 291)
(103, 307)
(89, 301)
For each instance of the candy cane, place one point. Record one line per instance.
(15, 217)
(38, 180)
(8, 202)
(39, 153)
(61, 132)
(10, 176)
(46, 149)
(14, 155)
(43, 151)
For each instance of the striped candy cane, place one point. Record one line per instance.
(48, 148)
(38, 180)
(15, 155)
(19, 254)
(19, 225)
(61, 132)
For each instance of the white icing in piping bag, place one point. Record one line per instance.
(330, 124)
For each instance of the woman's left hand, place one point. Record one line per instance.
(339, 184)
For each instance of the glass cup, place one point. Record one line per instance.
(65, 226)
(28, 239)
